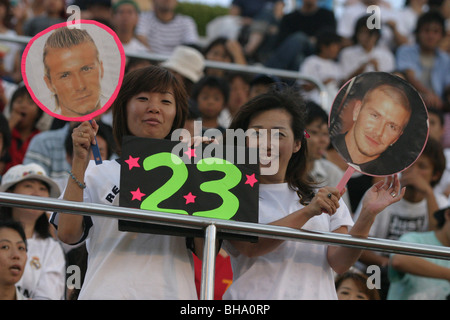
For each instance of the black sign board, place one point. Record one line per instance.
(207, 181)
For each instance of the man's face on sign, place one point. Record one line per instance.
(74, 76)
(380, 121)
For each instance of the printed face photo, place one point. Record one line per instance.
(74, 74)
(378, 123)
(74, 77)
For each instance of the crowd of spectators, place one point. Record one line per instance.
(412, 42)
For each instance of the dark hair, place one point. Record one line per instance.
(315, 112)
(326, 37)
(431, 16)
(15, 225)
(147, 79)
(20, 92)
(290, 100)
(212, 82)
(360, 281)
(6, 133)
(41, 227)
(435, 152)
(438, 113)
(360, 24)
(7, 20)
(439, 215)
(216, 42)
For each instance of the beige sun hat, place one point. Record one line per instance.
(21, 172)
(187, 61)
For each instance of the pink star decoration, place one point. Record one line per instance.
(190, 198)
(137, 195)
(191, 153)
(132, 162)
(251, 180)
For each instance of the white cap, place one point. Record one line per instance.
(22, 172)
(187, 61)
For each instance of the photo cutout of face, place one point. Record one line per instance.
(74, 74)
(378, 123)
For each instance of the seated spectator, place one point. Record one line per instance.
(392, 33)
(13, 257)
(54, 13)
(323, 66)
(163, 29)
(124, 21)
(415, 211)
(263, 83)
(436, 122)
(239, 84)
(424, 64)
(210, 95)
(5, 140)
(352, 285)
(223, 49)
(297, 34)
(44, 275)
(321, 170)
(10, 52)
(23, 117)
(366, 55)
(260, 20)
(419, 278)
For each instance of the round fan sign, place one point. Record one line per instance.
(378, 124)
(74, 73)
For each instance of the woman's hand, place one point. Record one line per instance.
(325, 201)
(82, 137)
(382, 194)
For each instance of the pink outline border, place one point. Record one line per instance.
(113, 96)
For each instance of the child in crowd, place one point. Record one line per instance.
(420, 278)
(321, 170)
(424, 64)
(239, 84)
(211, 96)
(352, 285)
(365, 55)
(323, 66)
(437, 127)
(415, 211)
(23, 117)
(263, 83)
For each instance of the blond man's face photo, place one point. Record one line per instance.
(74, 77)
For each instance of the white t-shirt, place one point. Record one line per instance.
(296, 269)
(351, 58)
(322, 69)
(44, 277)
(128, 265)
(402, 217)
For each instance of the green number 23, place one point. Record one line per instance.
(221, 187)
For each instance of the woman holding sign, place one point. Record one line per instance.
(123, 265)
(276, 269)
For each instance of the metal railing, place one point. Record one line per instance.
(212, 227)
(251, 69)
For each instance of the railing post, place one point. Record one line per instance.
(208, 263)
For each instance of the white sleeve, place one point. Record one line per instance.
(51, 285)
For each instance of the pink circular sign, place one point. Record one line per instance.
(74, 73)
(378, 123)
